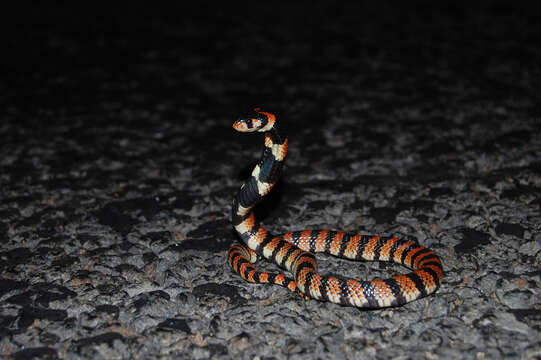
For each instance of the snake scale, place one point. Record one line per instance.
(294, 251)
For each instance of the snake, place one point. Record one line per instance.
(295, 251)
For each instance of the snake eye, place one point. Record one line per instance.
(256, 123)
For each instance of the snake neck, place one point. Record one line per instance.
(264, 177)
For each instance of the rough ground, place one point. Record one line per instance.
(118, 166)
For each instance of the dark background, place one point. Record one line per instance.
(118, 165)
(222, 59)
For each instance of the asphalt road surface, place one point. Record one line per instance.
(118, 165)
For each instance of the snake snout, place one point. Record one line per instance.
(243, 125)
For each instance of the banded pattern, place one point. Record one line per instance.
(241, 258)
(294, 251)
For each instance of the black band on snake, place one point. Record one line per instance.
(294, 251)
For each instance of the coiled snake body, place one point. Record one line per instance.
(293, 251)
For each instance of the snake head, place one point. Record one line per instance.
(262, 121)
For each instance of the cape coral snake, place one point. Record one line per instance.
(294, 251)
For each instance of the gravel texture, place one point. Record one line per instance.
(118, 166)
